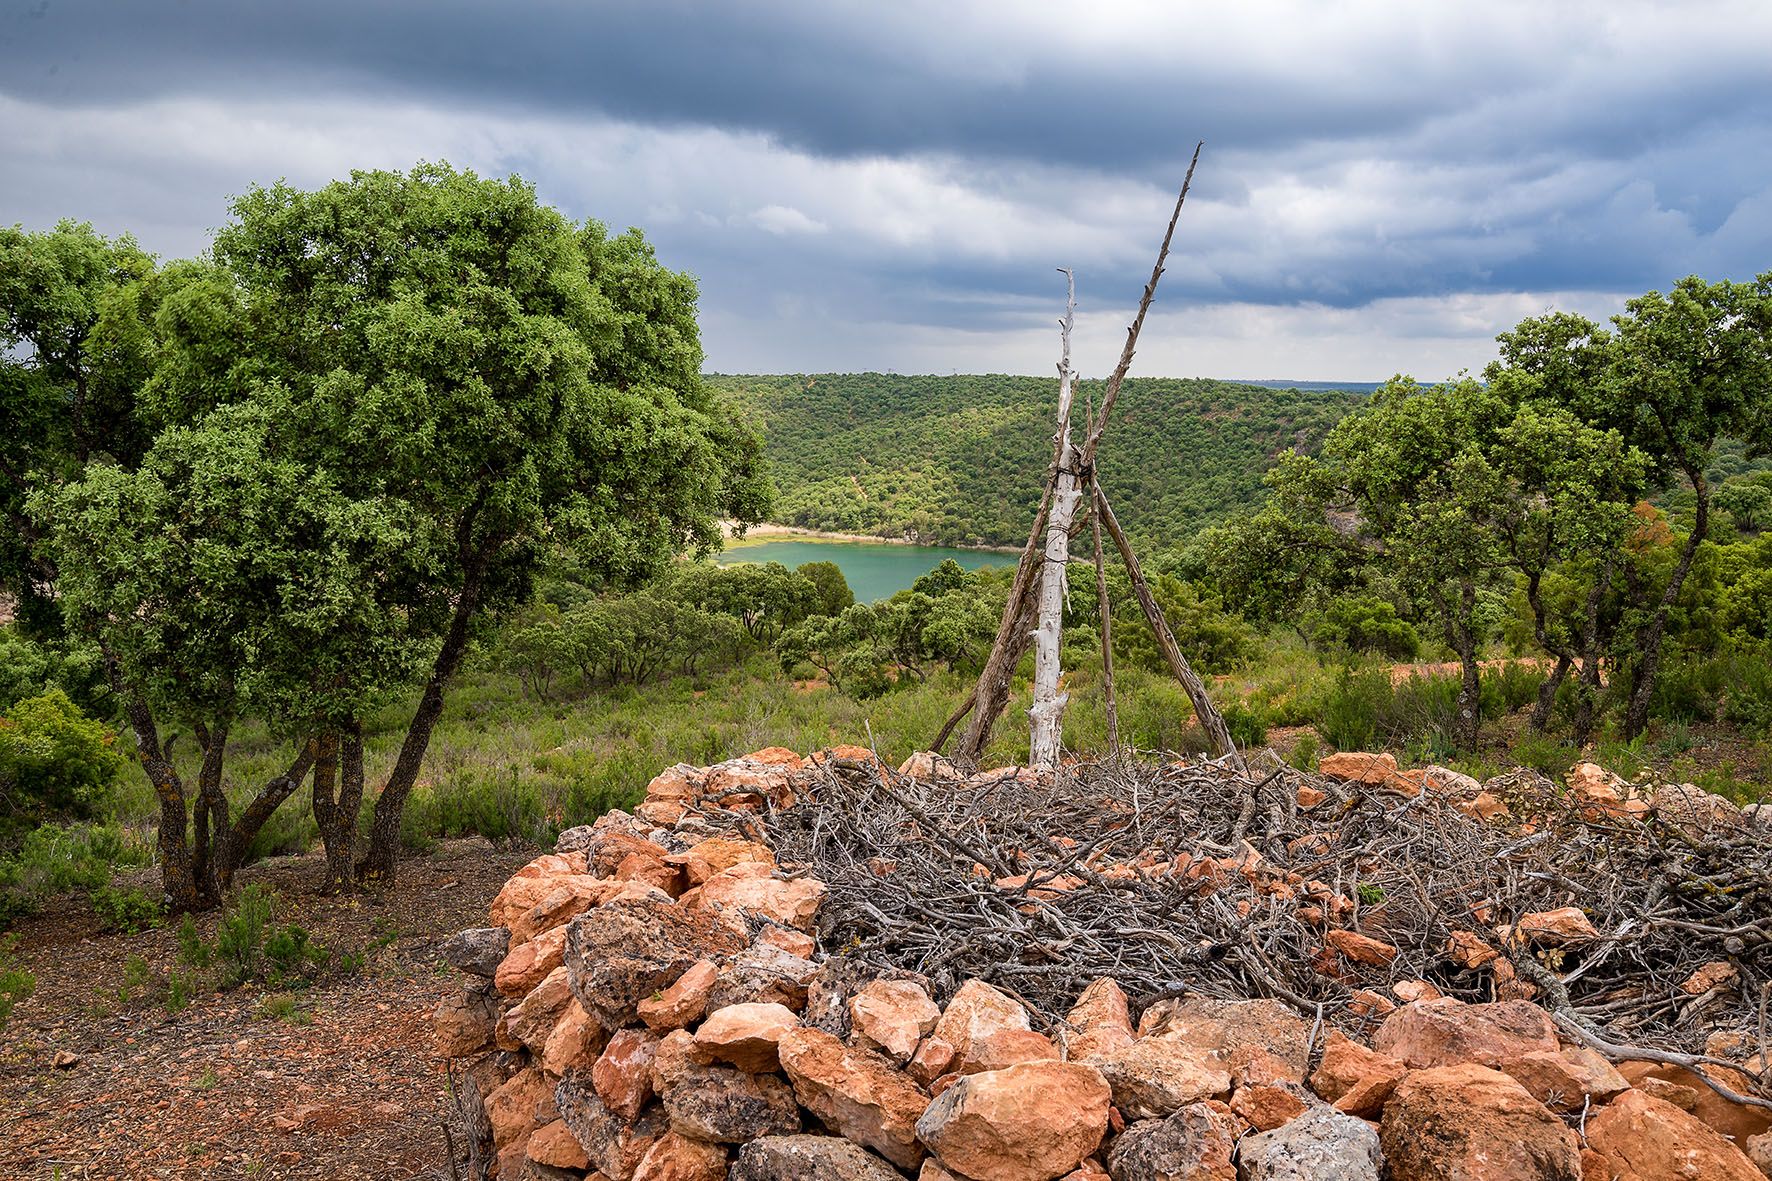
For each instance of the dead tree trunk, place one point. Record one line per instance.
(1107, 641)
(1210, 719)
(1047, 712)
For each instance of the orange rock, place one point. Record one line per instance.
(465, 1021)
(1100, 1022)
(683, 1002)
(1556, 928)
(752, 887)
(1566, 1079)
(575, 1041)
(530, 963)
(529, 1024)
(1155, 1077)
(678, 1158)
(1471, 1123)
(926, 764)
(1033, 1120)
(1358, 767)
(1735, 1120)
(892, 1017)
(571, 894)
(715, 854)
(622, 1075)
(1348, 1067)
(776, 756)
(1446, 1031)
(1415, 990)
(1483, 806)
(528, 885)
(1266, 1106)
(1366, 1003)
(795, 943)
(511, 1108)
(1229, 1031)
(1309, 797)
(1641, 1136)
(856, 1093)
(1361, 949)
(553, 1145)
(1467, 950)
(1716, 974)
(746, 1035)
(981, 1029)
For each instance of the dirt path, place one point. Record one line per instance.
(345, 1086)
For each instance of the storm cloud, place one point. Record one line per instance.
(1384, 187)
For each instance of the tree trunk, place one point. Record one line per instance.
(1547, 692)
(1588, 681)
(1470, 687)
(1649, 640)
(1046, 715)
(1207, 713)
(992, 690)
(176, 876)
(341, 757)
(384, 833)
(214, 829)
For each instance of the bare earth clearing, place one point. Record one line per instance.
(222, 1090)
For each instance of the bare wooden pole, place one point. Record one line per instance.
(1107, 641)
(1112, 393)
(1046, 715)
(1210, 719)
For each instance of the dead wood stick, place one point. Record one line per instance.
(1108, 397)
(1207, 713)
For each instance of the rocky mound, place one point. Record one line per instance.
(820, 969)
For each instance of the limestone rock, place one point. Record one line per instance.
(478, 950)
(1556, 928)
(760, 975)
(1447, 1031)
(1031, 1122)
(614, 1146)
(1352, 766)
(1194, 1144)
(1320, 1145)
(856, 1093)
(1643, 1136)
(1361, 949)
(625, 951)
(465, 1020)
(892, 1016)
(511, 1108)
(1156, 1077)
(1470, 1123)
(530, 1023)
(528, 964)
(728, 1106)
(1266, 1106)
(808, 1158)
(745, 1036)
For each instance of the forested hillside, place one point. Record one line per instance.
(956, 460)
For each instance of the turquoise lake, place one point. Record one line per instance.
(874, 570)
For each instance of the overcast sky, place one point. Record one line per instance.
(889, 186)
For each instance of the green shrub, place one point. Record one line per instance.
(240, 935)
(54, 760)
(293, 955)
(1358, 624)
(1545, 754)
(126, 910)
(192, 948)
(15, 982)
(1305, 752)
(180, 987)
(1351, 711)
(1247, 724)
(55, 858)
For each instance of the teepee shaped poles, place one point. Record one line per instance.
(1035, 607)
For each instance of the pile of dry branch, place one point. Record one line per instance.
(1172, 877)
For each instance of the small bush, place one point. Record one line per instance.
(1351, 711)
(1545, 755)
(54, 760)
(180, 987)
(15, 983)
(1305, 752)
(126, 911)
(1247, 724)
(191, 947)
(240, 936)
(294, 956)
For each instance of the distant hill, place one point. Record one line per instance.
(958, 460)
(1275, 383)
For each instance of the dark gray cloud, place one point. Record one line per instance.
(899, 180)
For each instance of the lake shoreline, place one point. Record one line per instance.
(768, 531)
